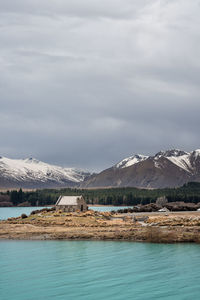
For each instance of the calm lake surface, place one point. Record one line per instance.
(59, 270)
(92, 270)
(8, 212)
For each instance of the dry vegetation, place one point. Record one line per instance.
(103, 226)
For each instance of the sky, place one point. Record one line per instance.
(86, 83)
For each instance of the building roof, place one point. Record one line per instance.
(68, 200)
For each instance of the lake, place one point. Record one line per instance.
(60, 270)
(8, 212)
(86, 270)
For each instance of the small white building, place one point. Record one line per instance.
(71, 203)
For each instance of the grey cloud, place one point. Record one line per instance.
(78, 8)
(88, 83)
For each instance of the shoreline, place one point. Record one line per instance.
(95, 226)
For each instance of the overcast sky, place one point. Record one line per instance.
(86, 83)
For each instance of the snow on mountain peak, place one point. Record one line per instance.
(31, 160)
(178, 157)
(172, 152)
(129, 161)
(31, 169)
(196, 153)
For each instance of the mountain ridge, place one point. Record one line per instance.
(32, 173)
(170, 168)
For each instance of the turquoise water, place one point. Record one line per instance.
(8, 212)
(60, 270)
(108, 208)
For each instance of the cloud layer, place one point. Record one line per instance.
(87, 83)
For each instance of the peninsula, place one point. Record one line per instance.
(158, 227)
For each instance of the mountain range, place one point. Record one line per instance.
(32, 173)
(171, 168)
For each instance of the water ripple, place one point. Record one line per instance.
(98, 270)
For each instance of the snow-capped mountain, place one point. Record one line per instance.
(31, 173)
(169, 168)
(183, 160)
(129, 161)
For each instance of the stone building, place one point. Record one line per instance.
(71, 203)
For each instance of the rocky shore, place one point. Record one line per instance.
(150, 227)
(171, 206)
